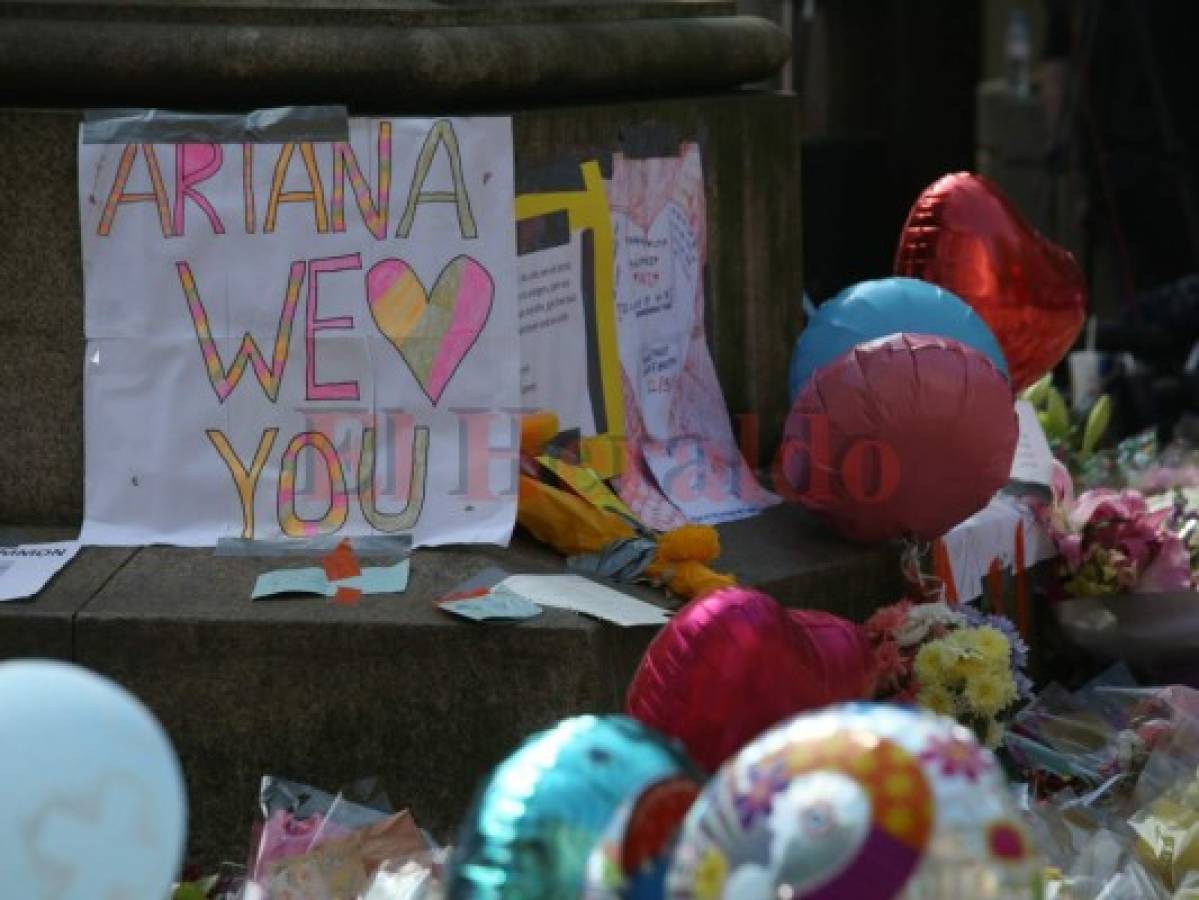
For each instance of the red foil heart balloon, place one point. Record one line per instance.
(965, 236)
(734, 662)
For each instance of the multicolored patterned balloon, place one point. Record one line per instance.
(864, 801)
(540, 815)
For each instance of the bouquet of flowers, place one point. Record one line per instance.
(1111, 542)
(955, 661)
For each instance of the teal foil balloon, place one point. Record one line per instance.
(537, 820)
(873, 309)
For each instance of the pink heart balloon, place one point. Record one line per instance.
(734, 662)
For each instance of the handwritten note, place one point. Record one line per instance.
(684, 461)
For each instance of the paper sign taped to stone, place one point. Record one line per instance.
(684, 463)
(302, 339)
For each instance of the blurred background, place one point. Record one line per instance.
(1083, 111)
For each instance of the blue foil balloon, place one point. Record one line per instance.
(537, 819)
(875, 309)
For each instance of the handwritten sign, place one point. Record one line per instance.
(299, 339)
(684, 463)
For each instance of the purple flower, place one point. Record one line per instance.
(1024, 686)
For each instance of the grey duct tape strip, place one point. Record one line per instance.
(393, 546)
(262, 126)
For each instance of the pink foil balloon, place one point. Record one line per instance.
(733, 663)
(904, 436)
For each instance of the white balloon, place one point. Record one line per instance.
(92, 800)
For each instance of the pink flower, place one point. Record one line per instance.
(1070, 547)
(1103, 504)
(891, 669)
(1170, 569)
(954, 756)
(881, 626)
(1061, 484)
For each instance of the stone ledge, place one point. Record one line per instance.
(436, 13)
(149, 62)
(388, 686)
(44, 627)
(324, 693)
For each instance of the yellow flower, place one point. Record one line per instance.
(710, 875)
(990, 692)
(933, 662)
(937, 698)
(962, 639)
(992, 644)
(993, 734)
(969, 665)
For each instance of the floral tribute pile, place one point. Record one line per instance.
(1114, 542)
(956, 661)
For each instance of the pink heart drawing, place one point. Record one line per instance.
(433, 331)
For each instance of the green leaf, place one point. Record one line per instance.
(1098, 419)
(1036, 392)
(1059, 414)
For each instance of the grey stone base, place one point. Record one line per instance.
(389, 686)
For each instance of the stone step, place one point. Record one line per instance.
(388, 686)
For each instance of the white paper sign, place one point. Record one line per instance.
(302, 339)
(1033, 462)
(553, 335)
(685, 462)
(990, 535)
(26, 569)
(657, 280)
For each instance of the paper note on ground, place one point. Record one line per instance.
(581, 595)
(670, 386)
(1033, 462)
(312, 580)
(493, 606)
(25, 569)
